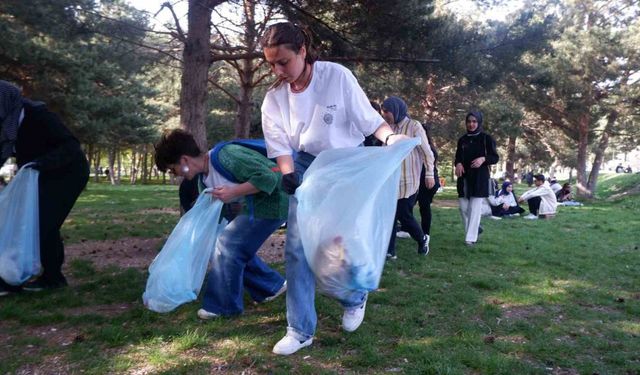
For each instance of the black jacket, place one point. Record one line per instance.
(44, 139)
(476, 179)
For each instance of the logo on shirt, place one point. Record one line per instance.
(327, 118)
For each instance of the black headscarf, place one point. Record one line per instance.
(478, 116)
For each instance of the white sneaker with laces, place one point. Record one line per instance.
(353, 317)
(531, 217)
(206, 315)
(289, 345)
(402, 234)
(282, 289)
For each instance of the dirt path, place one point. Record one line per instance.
(140, 252)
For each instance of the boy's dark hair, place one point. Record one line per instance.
(539, 177)
(172, 145)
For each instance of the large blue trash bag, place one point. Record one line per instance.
(177, 273)
(20, 228)
(346, 208)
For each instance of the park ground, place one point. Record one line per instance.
(558, 296)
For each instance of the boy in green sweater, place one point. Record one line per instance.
(235, 263)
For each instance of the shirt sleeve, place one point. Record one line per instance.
(359, 109)
(275, 136)
(250, 166)
(491, 152)
(424, 149)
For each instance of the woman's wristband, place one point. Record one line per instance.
(386, 140)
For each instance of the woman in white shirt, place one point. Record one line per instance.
(313, 106)
(505, 202)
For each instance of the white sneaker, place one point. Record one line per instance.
(496, 217)
(531, 217)
(353, 317)
(282, 289)
(402, 234)
(289, 345)
(206, 315)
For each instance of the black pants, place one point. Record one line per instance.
(425, 198)
(512, 210)
(404, 214)
(58, 192)
(534, 205)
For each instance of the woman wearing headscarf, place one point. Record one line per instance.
(505, 202)
(394, 112)
(38, 139)
(475, 152)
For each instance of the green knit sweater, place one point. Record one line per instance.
(247, 165)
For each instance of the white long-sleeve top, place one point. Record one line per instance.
(548, 202)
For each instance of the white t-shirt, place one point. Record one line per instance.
(214, 179)
(333, 112)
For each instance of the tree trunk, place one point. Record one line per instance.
(246, 73)
(119, 169)
(112, 162)
(511, 155)
(583, 148)
(134, 168)
(145, 165)
(96, 166)
(600, 151)
(196, 62)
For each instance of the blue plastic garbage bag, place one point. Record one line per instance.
(346, 208)
(20, 228)
(177, 273)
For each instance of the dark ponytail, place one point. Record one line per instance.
(292, 36)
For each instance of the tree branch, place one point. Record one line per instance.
(181, 34)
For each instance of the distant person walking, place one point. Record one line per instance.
(38, 138)
(475, 152)
(394, 112)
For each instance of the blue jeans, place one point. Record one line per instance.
(236, 266)
(301, 283)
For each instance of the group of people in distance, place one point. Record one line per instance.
(312, 106)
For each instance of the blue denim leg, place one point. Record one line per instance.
(301, 313)
(301, 283)
(260, 280)
(237, 246)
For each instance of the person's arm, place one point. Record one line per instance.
(459, 171)
(386, 135)
(229, 193)
(285, 164)
(428, 159)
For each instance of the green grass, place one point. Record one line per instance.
(106, 212)
(532, 297)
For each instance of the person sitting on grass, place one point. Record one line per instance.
(235, 263)
(564, 194)
(541, 199)
(505, 202)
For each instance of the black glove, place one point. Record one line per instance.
(290, 182)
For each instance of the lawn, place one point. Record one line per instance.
(558, 296)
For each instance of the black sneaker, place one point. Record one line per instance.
(423, 246)
(3, 291)
(40, 284)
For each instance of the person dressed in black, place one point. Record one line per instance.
(475, 152)
(426, 194)
(38, 138)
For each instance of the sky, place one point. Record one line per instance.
(464, 8)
